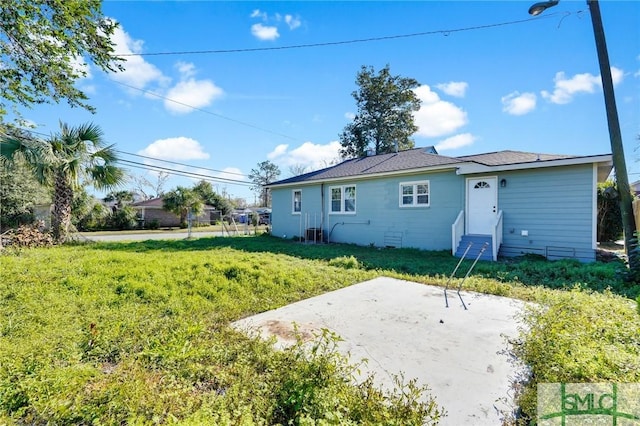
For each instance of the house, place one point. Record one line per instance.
(514, 202)
(150, 211)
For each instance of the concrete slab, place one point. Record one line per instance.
(400, 326)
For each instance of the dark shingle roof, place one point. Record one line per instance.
(415, 159)
(502, 158)
(404, 160)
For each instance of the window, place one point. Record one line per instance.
(343, 199)
(414, 194)
(296, 201)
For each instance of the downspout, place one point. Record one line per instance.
(322, 210)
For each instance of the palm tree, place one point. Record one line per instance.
(69, 159)
(182, 201)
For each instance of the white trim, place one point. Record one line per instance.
(462, 168)
(342, 199)
(293, 201)
(472, 167)
(415, 203)
(466, 202)
(406, 172)
(594, 208)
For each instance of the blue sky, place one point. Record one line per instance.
(492, 78)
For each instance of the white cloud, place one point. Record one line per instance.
(437, 117)
(280, 150)
(455, 142)
(191, 93)
(186, 69)
(258, 14)
(516, 103)
(264, 32)
(566, 88)
(454, 88)
(137, 72)
(313, 156)
(81, 67)
(349, 116)
(292, 21)
(180, 148)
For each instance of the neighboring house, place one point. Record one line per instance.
(516, 202)
(635, 188)
(151, 210)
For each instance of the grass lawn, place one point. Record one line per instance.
(137, 332)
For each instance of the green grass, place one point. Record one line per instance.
(137, 332)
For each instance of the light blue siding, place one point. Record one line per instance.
(379, 220)
(555, 206)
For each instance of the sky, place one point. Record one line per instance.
(219, 87)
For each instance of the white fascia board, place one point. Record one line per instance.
(407, 172)
(474, 168)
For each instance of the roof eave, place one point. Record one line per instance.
(367, 176)
(474, 167)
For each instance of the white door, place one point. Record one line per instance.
(482, 204)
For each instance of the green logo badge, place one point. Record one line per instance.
(569, 404)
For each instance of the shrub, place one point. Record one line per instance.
(346, 262)
(609, 217)
(123, 218)
(576, 337)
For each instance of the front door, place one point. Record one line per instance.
(482, 204)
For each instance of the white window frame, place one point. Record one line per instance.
(414, 194)
(293, 201)
(342, 189)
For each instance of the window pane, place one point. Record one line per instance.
(349, 205)
(423, 199)
(423, 189)
(407, 200)
(407, 189)
(336, 193)
(336, 199)
(350, 192)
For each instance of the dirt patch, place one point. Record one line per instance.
(288, 331)
(611, 251)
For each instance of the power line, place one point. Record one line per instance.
(183, 172)
(164, 161)
(180, 164)
(233, 120)
(343, 42)
(175, 172)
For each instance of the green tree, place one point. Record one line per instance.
(69, 159)
(121, 198)
(19, 193)
(181, 201)
(266, 173)
(87, 212)
(205, 190)
(609, 217)
(384, 120)
(43, 46)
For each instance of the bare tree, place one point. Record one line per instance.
(149, 189)
(298, 169)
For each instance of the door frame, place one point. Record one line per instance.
(467, 207)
